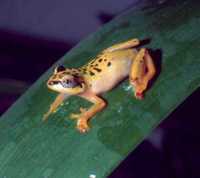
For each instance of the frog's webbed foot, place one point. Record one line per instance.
(85, 115)
(82, 120)
(142, 71)
(139, 88)
(82, 125)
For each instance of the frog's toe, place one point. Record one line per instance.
(82, 126)
(74, 116)
(139, 95)
(82, 110)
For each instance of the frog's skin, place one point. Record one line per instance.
(100, 75)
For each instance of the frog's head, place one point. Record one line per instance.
(64, 81)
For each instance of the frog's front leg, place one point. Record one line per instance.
(85, 115)
(142, 71)
(53, 107)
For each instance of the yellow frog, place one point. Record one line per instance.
(100, 75)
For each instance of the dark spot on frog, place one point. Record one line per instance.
(100, 60)
(76, 74)
(109, 64)
(97, 69)
(84, 70)
(92, 73)
(92, 62)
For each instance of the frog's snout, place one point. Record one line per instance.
(51, 83)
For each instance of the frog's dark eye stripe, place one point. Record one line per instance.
(54, 82)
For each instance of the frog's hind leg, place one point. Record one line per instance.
(124, 45)
(85, 115)
(142, 71)
(53, 107)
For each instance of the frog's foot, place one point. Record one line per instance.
(82, 120)
(82, 125)
(139, 88)
(46, 115)
(139, 95)
(142, 72)
(77, 116)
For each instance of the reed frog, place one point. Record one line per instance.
(100, 75)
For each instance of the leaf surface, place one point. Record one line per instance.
(30, 148)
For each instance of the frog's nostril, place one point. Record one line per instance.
(51, 83)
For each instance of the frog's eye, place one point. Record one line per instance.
(59, 69)
(70, 83)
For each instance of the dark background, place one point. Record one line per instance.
(34, 34)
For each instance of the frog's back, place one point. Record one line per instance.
(108, 69)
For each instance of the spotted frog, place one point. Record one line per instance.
(100, 75)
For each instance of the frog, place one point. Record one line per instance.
(100, 75)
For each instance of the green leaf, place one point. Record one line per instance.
(30, 148)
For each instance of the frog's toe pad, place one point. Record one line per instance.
(139, 95)
(82, 126)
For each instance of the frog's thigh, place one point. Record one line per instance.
(142, 71)
(124, 45)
